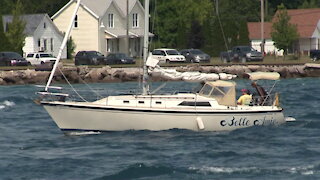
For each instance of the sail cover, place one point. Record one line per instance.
(264, 75)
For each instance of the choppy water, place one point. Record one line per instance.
(32, 147)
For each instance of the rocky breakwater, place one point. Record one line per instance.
(286, 71)
(81, 74)
(74, 74)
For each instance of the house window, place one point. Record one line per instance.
(75, 23)
(51, 44)
(135, 20)
(44, 25)
(45, 44)
(110, 21)
(7, 27)
(39, 43)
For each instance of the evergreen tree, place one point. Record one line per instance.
(309, 4)
(71, 46)
(4, 44)
(15, 34)
(283, 33)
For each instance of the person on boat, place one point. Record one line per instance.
(246, 98)
(261, 92)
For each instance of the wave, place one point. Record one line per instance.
(82, 133)
(299, 170)
(7, 104)
(139, 170)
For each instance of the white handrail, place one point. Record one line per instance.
(63, 44)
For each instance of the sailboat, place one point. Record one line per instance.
(213, 108)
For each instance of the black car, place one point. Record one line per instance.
(195, 55)
(12, 59)
(119, 58)
(315, 54)
(89, 58)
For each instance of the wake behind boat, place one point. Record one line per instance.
(213, 108)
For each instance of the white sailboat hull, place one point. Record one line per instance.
(71, 117)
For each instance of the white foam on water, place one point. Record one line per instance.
(83, 133)
(290, 119)
(305, 170)
(2, 106)
(8, 103)
(224, 169)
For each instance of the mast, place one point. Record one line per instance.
(262, 27)
(145, 85)
(63, 44)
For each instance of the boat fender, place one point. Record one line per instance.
(200, 123)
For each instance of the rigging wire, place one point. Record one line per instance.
(223, 34)
(71, 85)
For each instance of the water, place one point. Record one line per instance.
(32, 146)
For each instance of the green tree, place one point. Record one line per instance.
(15, 34)
(4, 44)
(71, 46)
(283, 33)
(173, 20)
(309, 4)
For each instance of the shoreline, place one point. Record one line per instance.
(81, 74)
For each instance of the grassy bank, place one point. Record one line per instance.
(215, 61)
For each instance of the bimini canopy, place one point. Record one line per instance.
(223, 91)
(264, 75)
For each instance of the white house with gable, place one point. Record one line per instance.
(101, 25)
(41, 34)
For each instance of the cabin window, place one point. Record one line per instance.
(110, 21)
(194, 103)
(126, 102)
(141, 102)
(135, 22)
(75, 23)
(206, 90)
(158, 102)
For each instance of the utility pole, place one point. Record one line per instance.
(127, 32)
(262, 27)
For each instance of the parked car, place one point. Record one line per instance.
(315, 54)
(40, 58)
(195, 55)
(89, 58)
(168, 55)
(12, 59)
(241, 54)
(119, 58)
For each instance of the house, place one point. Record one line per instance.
(101, 25)
(307, 22)
(41, 34)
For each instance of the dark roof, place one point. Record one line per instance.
(32, 21)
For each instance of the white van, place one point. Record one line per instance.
(168, 55)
